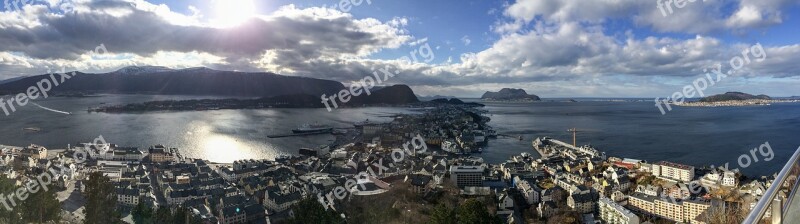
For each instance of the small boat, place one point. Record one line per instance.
(311, 128)
(32, 129)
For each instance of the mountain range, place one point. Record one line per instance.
(192, 81)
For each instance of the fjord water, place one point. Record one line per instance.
(698, 136)
(695, 136)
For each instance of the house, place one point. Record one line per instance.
(232, 215)
(278, 202)
(419, 183)
(505, 204)
(529, 191)
(582, 200)
(34, 151)
(729, 179)
(128, 196)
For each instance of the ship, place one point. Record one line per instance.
(363, 123)
(312, 128)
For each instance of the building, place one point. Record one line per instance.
(642, 203)
(467, 176)
(582, 200)
(278, 202)
(728, 179)
(686, 211)
(34, 151)
(693, 208)
(127, 196)
(613, 213)
(127, 154)
(668, 208)
(159, 153)
(673, 171)
(528, 190)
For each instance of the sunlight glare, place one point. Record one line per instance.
(233, 12)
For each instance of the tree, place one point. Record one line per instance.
(474, 212)
(142, 214)
(163, 216)
(310, 210)
(180, 215)
(725, 213)
(443, 215)
(41, 207)
(101, 201)
(7, 187)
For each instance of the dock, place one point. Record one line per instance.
(298, 134)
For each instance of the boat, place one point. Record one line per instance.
(363, 123)
(32, 129)
(312, 128)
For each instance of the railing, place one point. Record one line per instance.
(785, 182)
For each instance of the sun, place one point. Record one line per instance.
(233, 12)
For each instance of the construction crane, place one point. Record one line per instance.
(574, 138)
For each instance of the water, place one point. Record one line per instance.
(692, 135)
(219, 136)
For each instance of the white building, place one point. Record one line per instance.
(467, 176)
(528, 190)
(729, 179)
(613, 213)
(673, 171)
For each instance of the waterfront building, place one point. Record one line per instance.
(34, 151)
(159, 153)
(673, 171)
(729, 179)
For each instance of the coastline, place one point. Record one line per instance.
(734, 103)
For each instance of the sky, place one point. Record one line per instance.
(551, 48)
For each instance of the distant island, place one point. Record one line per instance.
(508, 94)
(733, 96)
(732, 99)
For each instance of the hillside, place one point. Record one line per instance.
(197, 81)
(729, 96)
(507, 94)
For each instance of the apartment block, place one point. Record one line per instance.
(673, 171)
(613, 213)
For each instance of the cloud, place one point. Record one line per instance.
(560, 48)
(145, 30)
(715, 14)
(466, 40)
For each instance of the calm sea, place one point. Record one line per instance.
(694, 136)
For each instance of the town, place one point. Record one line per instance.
(418, 168)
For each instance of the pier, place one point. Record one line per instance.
(298, 134)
